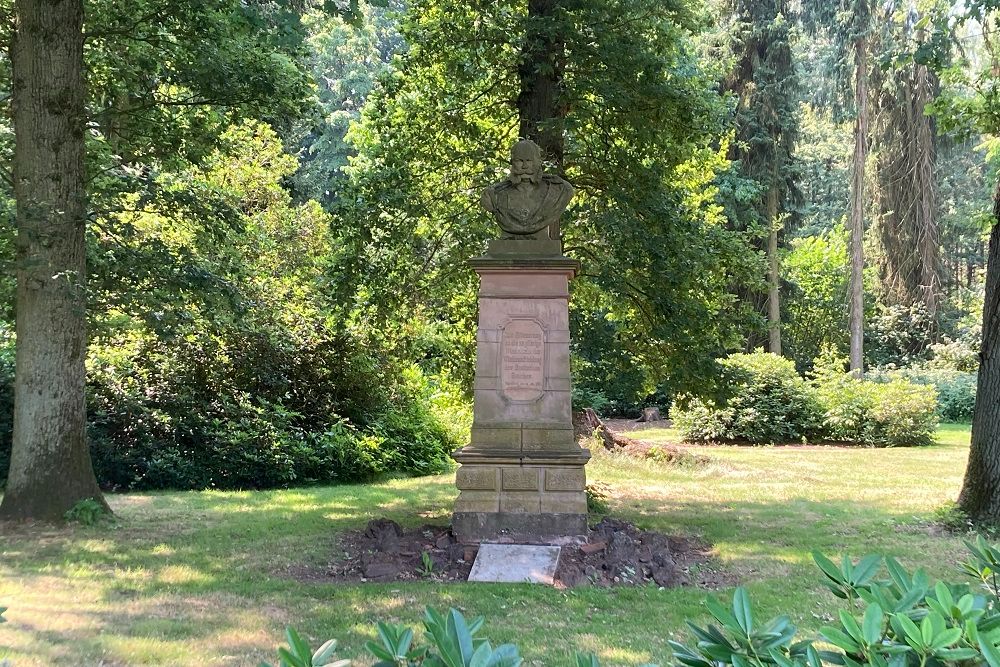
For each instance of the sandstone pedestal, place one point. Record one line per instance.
(522, 475)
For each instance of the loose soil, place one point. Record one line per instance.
(615, 553)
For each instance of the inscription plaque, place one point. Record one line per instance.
(522, 360)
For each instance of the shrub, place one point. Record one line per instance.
(956, 390)
(906, 619)
(959, 355)
(897, 335)
(897, 413)
(451, 642)
(766, 401)
(195, 415)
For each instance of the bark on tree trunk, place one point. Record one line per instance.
(925, 185)
(773, 278)
(50, 467)
(856, 284)
(980, 495)
(539, 107)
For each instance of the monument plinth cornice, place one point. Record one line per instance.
(521, 263)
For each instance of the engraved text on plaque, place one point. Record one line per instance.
(522, 360)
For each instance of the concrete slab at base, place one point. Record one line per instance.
(515, 563)
(537, 528)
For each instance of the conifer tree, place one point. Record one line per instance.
(765, 85)
(905, 222)
(849, 22)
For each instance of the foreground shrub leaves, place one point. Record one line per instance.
(905, 621)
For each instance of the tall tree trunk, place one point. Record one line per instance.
(856, 283)
(925, 188)
(50, 467)
(980, 495)
(773, 278)
(539, 105)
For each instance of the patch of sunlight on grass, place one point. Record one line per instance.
(954, 434)
(144, 650)
(181, 574)
(658, 435)
(622, 656)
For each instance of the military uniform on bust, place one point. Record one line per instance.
(529, 203)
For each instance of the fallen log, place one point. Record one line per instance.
(611, 439)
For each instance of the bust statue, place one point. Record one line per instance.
(528, 204)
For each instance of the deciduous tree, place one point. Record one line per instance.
(639, 124)
(50, 469)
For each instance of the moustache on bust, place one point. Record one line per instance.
(524, 178)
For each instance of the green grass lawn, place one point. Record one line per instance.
(210, 578)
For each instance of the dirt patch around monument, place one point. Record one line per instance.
(615, 553)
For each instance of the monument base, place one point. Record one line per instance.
(542, 528)
(531, 497)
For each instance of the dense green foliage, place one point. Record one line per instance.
(906, 620)
(814, 315)
(282, 203)
(767, 401)
(247, 381)
(217, 358)
(897, 413)
(641, 147)
(956, 390)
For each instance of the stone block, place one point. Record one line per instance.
(478, 501)
(486, 334)
(493, 437)
(557, 384)
(524, 247)
(477, 478)
(515, 563)
(559, 335)
(565, 479)
(486, 383)
(476, 527)
(540, 439)
(564, 502)
(556, 357)
(486, 359)
(495, 312)
(521, 479)
(521, 502)
(492, 408)
(534, 284)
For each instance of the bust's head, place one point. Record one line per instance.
(525, 160)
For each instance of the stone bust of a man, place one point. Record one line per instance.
(529, 203)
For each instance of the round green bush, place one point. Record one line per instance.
(765, 401)
(898, 413)
(956, 390)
